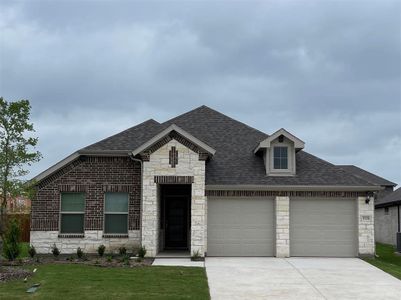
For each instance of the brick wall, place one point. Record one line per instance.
(94, 176)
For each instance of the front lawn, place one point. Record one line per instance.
(387, 260)
(69, 281)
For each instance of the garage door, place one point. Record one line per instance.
(323, 227)
(240, 227)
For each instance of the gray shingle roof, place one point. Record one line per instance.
(128, 139)
(391, 199)
(372, 178)
(234, 162)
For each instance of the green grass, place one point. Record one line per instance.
(65, 281)
(387, 260)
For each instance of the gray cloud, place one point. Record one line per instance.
(327, 71)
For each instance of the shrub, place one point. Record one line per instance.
(80, 253)
(100, 250)
(196, 256)
(32, 251)
(142, 252)
(109, 258)
(122, 250)
(55, 251)
(11, 245)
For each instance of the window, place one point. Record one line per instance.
(280, 158)
(72, 213)
(386, 210)
(116, 213)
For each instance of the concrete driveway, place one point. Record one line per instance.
(298, 278)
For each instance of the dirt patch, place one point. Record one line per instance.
(10, 273)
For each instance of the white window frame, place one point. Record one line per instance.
(288, 160)
(71, 213)
(114, 213)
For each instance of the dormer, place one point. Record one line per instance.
(279, 151)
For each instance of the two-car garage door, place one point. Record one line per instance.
(318, 227)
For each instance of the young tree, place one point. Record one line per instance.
(17, 150)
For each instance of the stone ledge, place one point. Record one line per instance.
(71, 235)
(113, 235)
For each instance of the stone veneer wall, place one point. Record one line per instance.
(282, 205)
(94, 176)
(158, 165)
(44, 240)
(366, 234)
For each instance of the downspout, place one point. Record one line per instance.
(140, 196)
(399, 225)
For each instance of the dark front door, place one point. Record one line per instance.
(176, 222)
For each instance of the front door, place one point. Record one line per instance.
(176, 222)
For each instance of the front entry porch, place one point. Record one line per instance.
(175, 218)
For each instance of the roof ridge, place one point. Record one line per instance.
(121, 132)
(217, 112)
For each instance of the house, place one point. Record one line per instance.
(18, 205)
(386, 205)
(387, 218)
(205, 183)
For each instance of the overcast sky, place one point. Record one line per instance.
(327, 71)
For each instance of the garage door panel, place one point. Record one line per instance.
(240, 227)
(323, 227)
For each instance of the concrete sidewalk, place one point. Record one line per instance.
(299, 278)
(179, 262)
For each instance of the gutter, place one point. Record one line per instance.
(330, 188)
(140, 195)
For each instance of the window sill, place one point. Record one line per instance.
(115, 235)
(71, 235)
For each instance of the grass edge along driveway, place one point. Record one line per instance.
(69, 281)
(386, 260)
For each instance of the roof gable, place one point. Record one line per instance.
(298, 143)
(155, 140)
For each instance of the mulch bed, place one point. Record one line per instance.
(91, 260)
(10, 273)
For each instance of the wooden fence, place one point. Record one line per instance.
(25, 225)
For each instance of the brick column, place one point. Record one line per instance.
(366, 234)
(282, 205)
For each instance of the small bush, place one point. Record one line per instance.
(55, 251)
(80, 253)
(142, 252)
(11, 241)
(32, 251)
(196, 256)
(109, 258)
(101, 249)
(122, 250)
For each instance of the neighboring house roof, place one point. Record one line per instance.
(391, 199)
(234, 162)
(371, 178)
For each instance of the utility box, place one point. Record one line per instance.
(399, 242)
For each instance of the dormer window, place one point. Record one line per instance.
(280, 158)
(279, 153)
